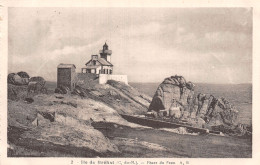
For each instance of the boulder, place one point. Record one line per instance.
(38, 79)
(17, 80)
(23, 74)
(174, 87)
(203, 108)
(21, 78)
(168, 90)
(190, 86)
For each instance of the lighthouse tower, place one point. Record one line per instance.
(106, 53)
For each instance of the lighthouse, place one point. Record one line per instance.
(105, 53)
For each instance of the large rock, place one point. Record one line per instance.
(190, 85)
(23, 74)
(15, 79)
(20, 78)
(173, 87)
(202, 108)
(38, 79)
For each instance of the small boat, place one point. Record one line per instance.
(166, 123)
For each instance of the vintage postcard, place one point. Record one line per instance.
(124, 82)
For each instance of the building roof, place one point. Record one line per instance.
(91, 67)
(102, 61)
(66, 65)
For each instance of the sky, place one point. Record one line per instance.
(207, 45)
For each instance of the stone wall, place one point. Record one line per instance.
(104, 77)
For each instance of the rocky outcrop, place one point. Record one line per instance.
(20, 85)
(38, 79)
(173, 87)
(20, 78)
(123, 98)
(207, 109)
(23, 74)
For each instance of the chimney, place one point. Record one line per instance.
(94, 57)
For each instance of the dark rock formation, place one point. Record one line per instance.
(214, 111)
(173, 87)
(23, 74)
(16, 79)
(38, 79)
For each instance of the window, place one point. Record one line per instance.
(94, 62)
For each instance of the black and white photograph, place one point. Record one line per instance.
(129, 82)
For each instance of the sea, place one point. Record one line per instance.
(240, 95)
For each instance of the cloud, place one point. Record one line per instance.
(148, 44)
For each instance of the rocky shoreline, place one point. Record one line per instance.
(199, 110)
(54, 124)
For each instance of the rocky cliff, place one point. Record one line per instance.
(201, 110)
(42, 124)
(81, 123)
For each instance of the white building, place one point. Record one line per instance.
(99, 65)
(102, 67)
